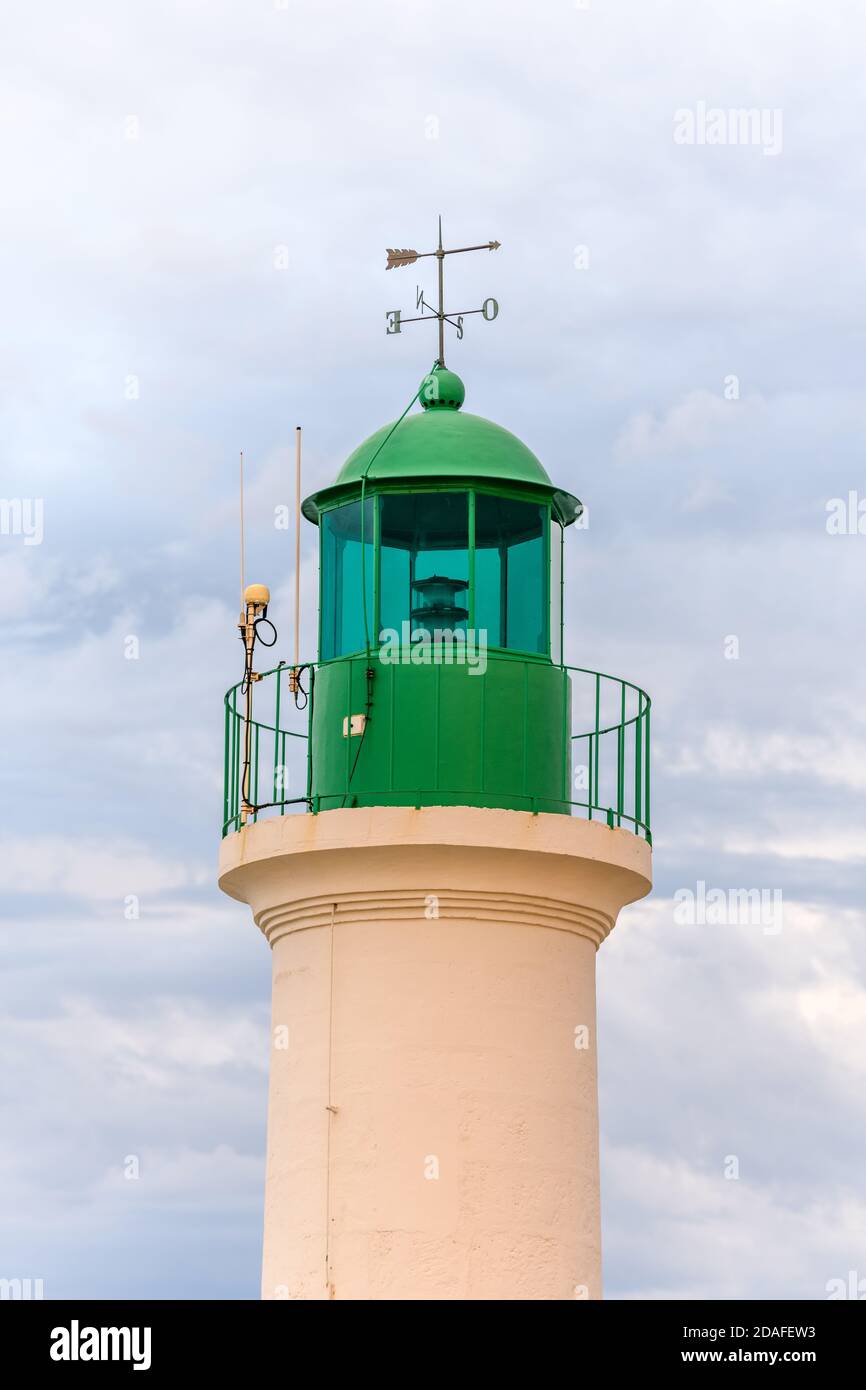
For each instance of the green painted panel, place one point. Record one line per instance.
(505, 719)
(439, 735)
(461, 701)
(414, 730)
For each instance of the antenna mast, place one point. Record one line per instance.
(295, 673)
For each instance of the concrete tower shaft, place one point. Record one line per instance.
(432, 1124)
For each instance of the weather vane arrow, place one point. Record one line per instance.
(403, 255)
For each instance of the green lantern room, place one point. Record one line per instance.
(440, 679)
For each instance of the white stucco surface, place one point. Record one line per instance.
(433, 1127)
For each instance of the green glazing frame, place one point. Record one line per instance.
(450, 486)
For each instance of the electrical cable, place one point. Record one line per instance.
(245, 685)
(300, 691)
(261, 639)
(370, 673)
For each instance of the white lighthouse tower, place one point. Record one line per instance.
(468, 817)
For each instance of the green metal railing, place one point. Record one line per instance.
(616, 773)
(279, 756)
(609, 755)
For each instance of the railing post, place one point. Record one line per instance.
(637, 758)
(277, 739)
(226, 766)
(646, 788)
(620, 758)
(597, 749)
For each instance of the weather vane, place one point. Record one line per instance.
(489, 309)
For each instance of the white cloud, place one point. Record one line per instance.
(724, 1238)
(837, 758)
(687, 428)
(715, 1041)
(92, 869)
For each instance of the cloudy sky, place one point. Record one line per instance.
(196, 201)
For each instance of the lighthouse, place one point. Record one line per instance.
(435, 824)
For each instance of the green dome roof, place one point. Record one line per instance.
(445, 444)
(441, 443)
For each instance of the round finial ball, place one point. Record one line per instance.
(259, 594)
(442, 388)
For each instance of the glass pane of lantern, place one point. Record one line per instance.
(342, 605)
(556, 535)
(424, 559)
(511, 593)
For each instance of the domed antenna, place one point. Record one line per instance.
(403, 256)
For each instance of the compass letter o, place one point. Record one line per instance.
(393, 317)
(490, 309)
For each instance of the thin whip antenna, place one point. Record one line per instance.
(242, 534)
(440, 261)
(297, 543)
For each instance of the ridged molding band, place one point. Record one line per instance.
(413, 905)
